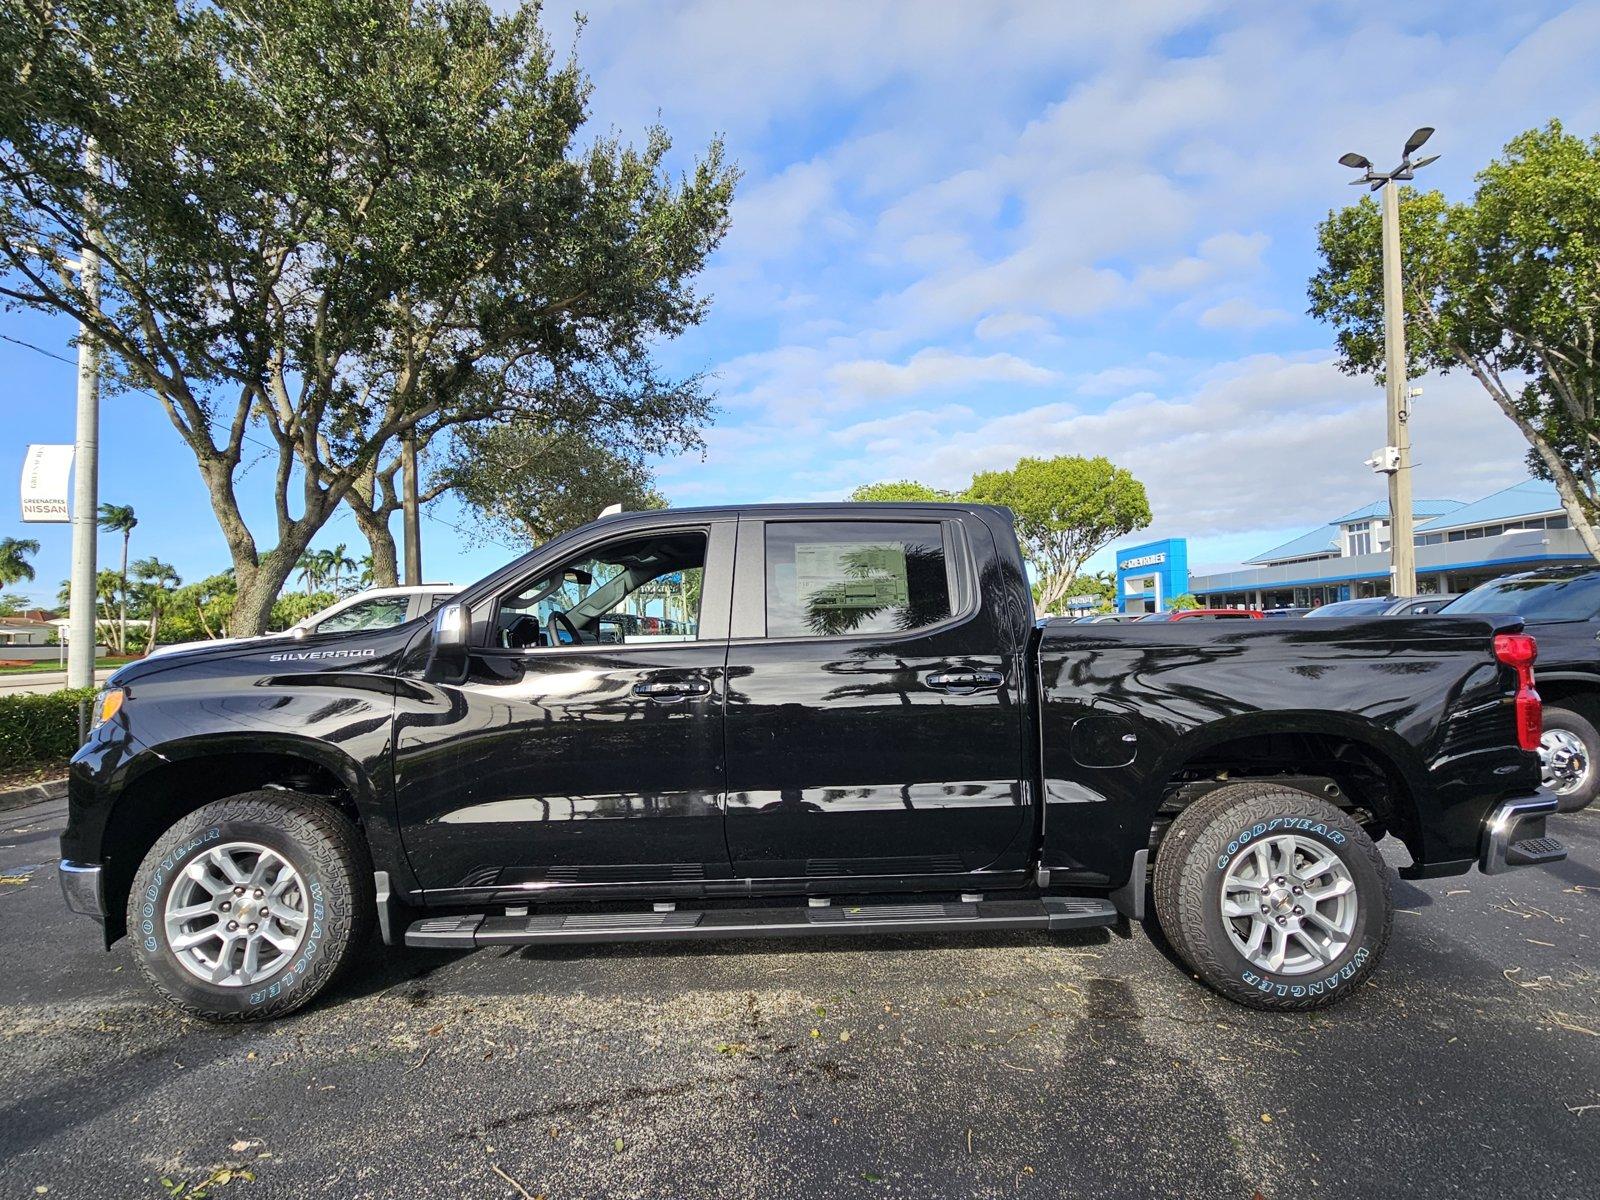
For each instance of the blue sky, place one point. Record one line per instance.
(968, 232)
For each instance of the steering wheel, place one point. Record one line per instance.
(559, 618)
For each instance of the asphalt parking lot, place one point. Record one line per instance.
(1043, 1066)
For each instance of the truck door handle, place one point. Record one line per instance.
(676, 689)
(966, 681)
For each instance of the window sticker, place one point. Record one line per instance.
(834, 576)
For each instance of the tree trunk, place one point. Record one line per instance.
(1053, 588)
(122, 606)
(385, 559)
(252, 604)
(374, 526)
(259, 585)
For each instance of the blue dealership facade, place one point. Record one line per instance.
(1459, 545)
(1150, 575)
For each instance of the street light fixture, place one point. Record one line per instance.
(1394, 460)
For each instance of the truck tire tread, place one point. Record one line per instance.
(339, 856)
(1184, 871)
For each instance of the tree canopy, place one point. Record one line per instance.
(533, 482)
(14, 556)
(901, 491)
(1067, 509)
(326, 223)
(1505, 286)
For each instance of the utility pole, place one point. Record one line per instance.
(1402, 541)
(81, 638)
(1394, 460)
(412, 518)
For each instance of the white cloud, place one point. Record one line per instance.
(1000, 327)
(1234, 451)
(932, 369)
(1114, 380)
(1241, 314)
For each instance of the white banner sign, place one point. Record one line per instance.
(45, 472)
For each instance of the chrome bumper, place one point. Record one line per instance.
(80, 884)
(1513, 834)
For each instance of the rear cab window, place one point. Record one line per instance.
(842, 578)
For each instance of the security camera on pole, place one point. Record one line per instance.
(1394, 460)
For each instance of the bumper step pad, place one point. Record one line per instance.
(1051, 913)
(1532, 851)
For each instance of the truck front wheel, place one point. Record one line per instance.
(247, 908)
(1275, 898)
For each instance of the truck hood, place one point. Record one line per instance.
(271, 655)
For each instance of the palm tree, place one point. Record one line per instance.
(310, 568)
(119, 518)
(14, 564)
(336, 564)
(156, 578)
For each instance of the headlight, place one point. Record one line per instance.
(107, 705)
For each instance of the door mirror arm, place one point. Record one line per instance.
(447, 652)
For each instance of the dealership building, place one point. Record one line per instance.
(1459, 545)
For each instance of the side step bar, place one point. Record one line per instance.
(1050, 913)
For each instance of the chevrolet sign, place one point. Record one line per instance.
(1148, 560)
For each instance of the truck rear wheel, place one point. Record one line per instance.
(1275, 898)
(247, 908)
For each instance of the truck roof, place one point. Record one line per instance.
(853, 508)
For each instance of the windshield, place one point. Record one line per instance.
(1535, 598)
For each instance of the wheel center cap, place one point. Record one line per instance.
(1281, 899)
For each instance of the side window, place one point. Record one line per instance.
(378, 613)
(643, 589)
(830, 578)
(430, 603)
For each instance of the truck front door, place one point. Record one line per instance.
(875, 721)
(585, 744)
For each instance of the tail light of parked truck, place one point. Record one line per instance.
(1517, 651)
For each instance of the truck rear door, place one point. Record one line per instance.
(875, 717)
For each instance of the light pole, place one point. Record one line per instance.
(81, 639)
(1394, 460)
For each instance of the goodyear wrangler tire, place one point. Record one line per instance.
(1275, 898)
(248, 907)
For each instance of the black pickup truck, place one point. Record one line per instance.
(1560, 607)
(787, 721)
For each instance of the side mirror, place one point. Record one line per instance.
(299, 631)
(447, 656)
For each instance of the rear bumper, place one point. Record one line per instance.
(81, 885)
(1513, 834)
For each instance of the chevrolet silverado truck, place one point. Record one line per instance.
(807, 720)
(1560, 607)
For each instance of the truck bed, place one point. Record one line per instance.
(1410, 718)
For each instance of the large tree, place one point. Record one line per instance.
(533, 482)
(1506, 287)
(327, 223)
(899, 491)
(1066, 509)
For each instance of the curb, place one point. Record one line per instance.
(33, 793)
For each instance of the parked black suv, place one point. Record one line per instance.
(1561, 607)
